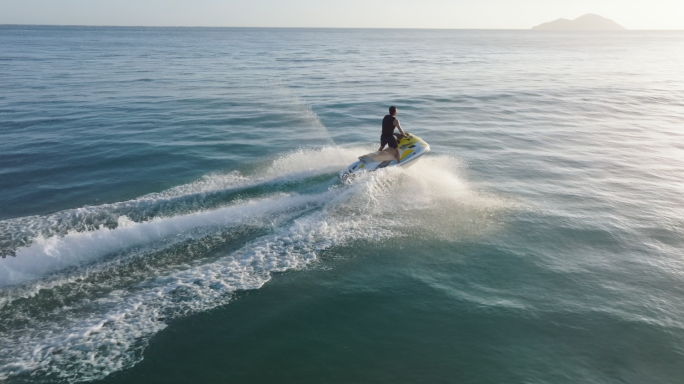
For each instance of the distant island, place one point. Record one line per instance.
(588, 22)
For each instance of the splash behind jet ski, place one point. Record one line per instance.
(411, 148)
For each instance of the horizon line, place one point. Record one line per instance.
(379, 28)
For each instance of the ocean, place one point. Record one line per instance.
(170, 210)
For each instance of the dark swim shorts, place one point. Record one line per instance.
(389, 140)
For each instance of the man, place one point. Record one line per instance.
(387, 138)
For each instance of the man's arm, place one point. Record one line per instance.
(398, 126)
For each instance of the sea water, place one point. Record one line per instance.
(170, 212)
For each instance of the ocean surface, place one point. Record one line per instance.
(170, 211)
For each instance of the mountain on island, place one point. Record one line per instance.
(588, 22)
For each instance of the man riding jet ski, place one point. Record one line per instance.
(403, 150)
(387, 138)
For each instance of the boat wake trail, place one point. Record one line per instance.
(80, 299)
(213, 190)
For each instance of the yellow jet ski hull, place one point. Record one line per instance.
(411, 148)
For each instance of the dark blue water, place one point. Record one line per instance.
(170, 212)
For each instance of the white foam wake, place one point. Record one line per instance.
(208, 192)
(88, 338)
(49, 255)
(115, 328)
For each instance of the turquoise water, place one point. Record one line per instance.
(170, 212)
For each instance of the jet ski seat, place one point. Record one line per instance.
(377, 156)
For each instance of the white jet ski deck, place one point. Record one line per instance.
(411, 147)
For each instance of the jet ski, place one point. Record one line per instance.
(411, 148)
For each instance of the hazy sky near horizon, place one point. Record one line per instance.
(496, 14)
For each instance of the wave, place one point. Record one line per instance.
(44, 256)
(209, 191)
(97, 296)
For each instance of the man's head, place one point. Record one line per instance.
(393, 110)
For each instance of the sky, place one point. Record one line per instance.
(486, 14)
